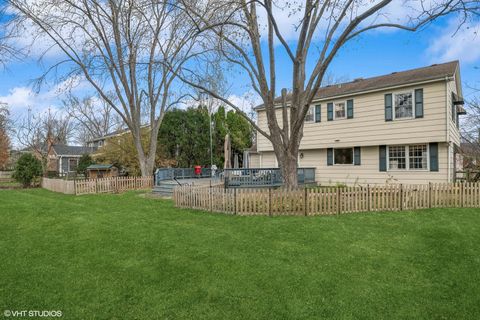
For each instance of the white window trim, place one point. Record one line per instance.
(344, 164)
(407, 157)
(69, 169)
(393, 104)
(335, 114)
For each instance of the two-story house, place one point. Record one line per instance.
(398, 128)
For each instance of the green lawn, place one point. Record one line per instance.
(128, 257)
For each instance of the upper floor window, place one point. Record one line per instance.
(340, 112)
(403, 105)
(310, 117)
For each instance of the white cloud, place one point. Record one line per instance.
(451, 45)
(246, 101)
(20, 99)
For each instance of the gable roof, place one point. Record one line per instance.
(433, 72)
(64, 150)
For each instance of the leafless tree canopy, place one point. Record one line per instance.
(248, 34)
(129, 50)
(35, 130)
(93, 117)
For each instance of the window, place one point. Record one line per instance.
(343, 156)
(413, 157)
(310, 117)
(340, 110)
(72, 164)
(418, 156)
(403, 105)
(397, 158)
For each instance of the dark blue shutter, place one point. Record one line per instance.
(434, 156)
(330, 157)
(383, 158)
(356, 156)
(329, 111)
(350, 109)
(318, 113)
(419, 103)
(388, 107)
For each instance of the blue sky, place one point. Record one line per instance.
(375, 53)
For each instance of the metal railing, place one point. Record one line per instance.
(263, 177)
(163, 174)
(251, 177)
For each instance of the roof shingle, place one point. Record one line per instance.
(433, 72)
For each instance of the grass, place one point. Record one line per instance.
(128, 257)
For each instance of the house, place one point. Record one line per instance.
(96, 171)
(63, 159)
(397, 128)
(99, 142)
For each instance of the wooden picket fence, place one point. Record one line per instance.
(112, 185)
(327, 200)
(103, 185)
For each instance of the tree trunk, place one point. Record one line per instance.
(147, 164)
(146, 161)
(288, 167)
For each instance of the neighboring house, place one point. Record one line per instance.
(63, 159)
(398, 128)
(99, 142)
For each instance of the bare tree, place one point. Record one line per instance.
(4, 138)
(248, 33)
(37, 132)
(93, 117)
(127, 49)
(8, 50)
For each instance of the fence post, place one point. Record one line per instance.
(369, 208)
(210, 197)
(96, 185)
(305, 204)
(75, 187)
(235, 201)
(401, 197)
(338, 200)
(462, 194)
(429, 195)
(270, 202)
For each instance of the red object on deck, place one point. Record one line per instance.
(197, 170)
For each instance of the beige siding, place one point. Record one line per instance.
(453, 130)
(268, 160)
(368, 127)
(366, 173)
(254, 160)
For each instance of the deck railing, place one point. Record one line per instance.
(183, 173)
(263, 177)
